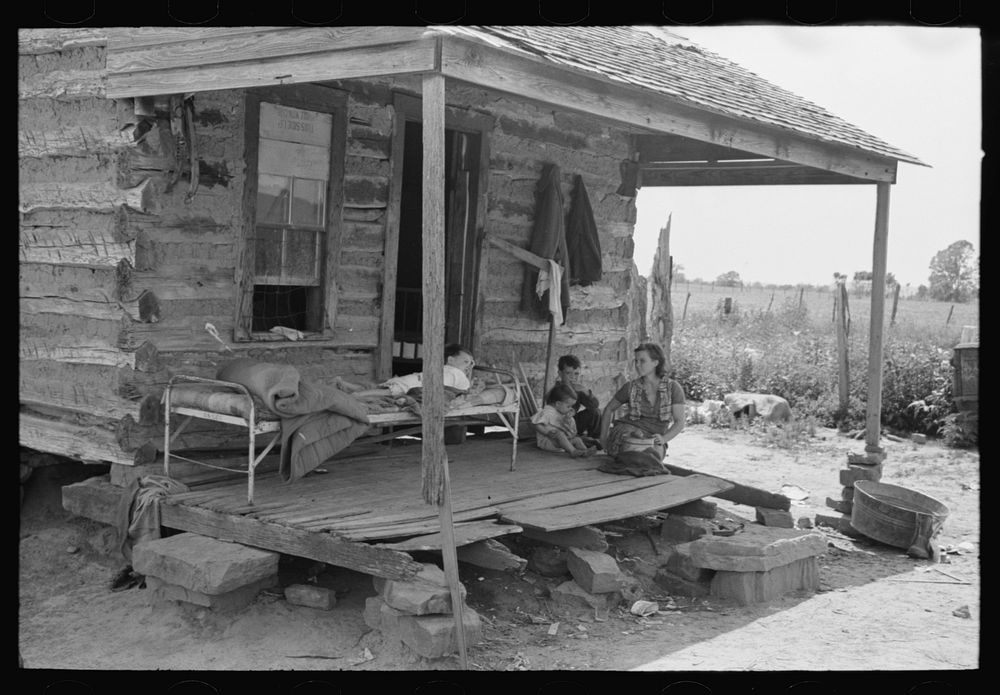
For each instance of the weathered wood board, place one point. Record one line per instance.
(671, 492)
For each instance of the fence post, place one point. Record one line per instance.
(895, 303)
(770, 302)
(840, 312)
(686, 300)
(950, 312)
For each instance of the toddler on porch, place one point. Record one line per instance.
(555, 428)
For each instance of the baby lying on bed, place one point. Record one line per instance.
(464, 391)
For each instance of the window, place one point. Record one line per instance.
(294, 176)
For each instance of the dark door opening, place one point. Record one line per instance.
(462, 150)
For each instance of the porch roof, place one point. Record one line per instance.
(645, 79)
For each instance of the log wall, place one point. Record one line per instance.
(119, 273)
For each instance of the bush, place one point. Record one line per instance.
(784, 353)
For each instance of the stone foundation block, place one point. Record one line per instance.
(548, 562)
(310, 596)
(774, 517)
(869, 458)
(852, 474)
(569, 594)
(841, 506)
(838, 522)
(202, 564)
(681, 529)
(680, 564)
(595, 572)
(758, 587)
(756, 549)
(425, 594)
(381, 616)
(847, 493)
(434, 636)
(680, 586)
(703, 509)
(228, 601)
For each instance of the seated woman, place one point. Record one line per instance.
(655, 405)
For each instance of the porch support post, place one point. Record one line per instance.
(880, 251)
(434, 466)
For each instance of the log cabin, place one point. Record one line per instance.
(359, 188)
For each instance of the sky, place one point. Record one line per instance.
(918, 89)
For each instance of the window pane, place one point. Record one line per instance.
(308, 196)
(300, 259)
(272, 198)
(267, 254)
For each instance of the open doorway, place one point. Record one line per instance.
(463, 150)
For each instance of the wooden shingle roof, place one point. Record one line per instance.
(654, 59)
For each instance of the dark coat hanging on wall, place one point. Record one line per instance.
(548, 240)
(582, 240)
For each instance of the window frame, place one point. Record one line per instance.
(310, 97)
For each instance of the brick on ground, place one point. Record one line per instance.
(774, 517)
(310, 596)
(425, 594)
(756, 549)
(681, 586)
(681, 529)
(595, 572)
(852, 474)
(228, 601)
(571, 595)
(758, 587)
(202, 564)
(842, 506)
(435, 636)
(839, 522)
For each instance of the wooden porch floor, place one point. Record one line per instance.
(366, 510)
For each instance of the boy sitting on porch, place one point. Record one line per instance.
(587, 409)
(555, 428)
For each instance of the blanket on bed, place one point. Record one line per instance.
(317, 420)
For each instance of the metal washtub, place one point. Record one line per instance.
(896, 515)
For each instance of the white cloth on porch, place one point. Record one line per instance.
(551, 280)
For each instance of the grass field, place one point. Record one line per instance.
(910, 313)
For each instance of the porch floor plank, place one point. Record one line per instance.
(669, 493)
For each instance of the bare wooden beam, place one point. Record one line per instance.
(519, 253)
(373, 61)
(222, 46)
(324, 547)
(674, 148)
(533, 79)
(724, 174)
(880, 250)
(85, 442)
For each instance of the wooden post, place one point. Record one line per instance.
(686, 300)
(770, 302)
(895, 303)
(549, 356)
(880, 249)
(801, 292)
(434, 466)
(840, 309)
(950, 312)
(661, 278)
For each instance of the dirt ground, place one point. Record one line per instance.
(877, 609)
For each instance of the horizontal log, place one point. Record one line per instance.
(199, 434)
(89, 443)
(105, 311)
(94, 498)
(212, 284)
(70, 142)
(63, 84)
(81, 388)
(77, 354)
(324, 547)
(39, 41)
(88, 196)
(86, 284)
